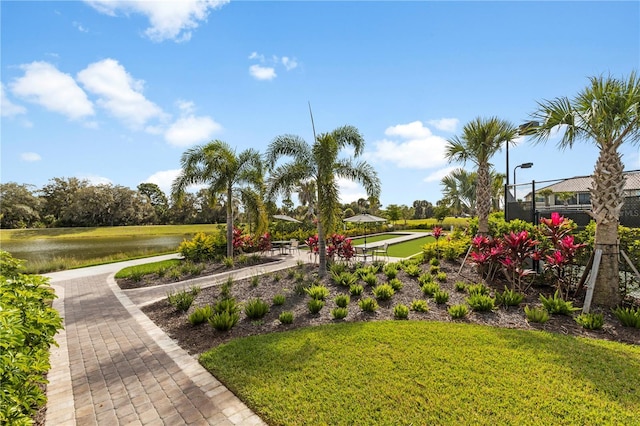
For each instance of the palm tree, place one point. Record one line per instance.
(307, 197)
(459, 190)
(497, 189)
(607, 113)
(480, 140)
(216, 165)
(321, 164)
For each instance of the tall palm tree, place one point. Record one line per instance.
(481, 138)
(320, 163)
(606, 113)
(459, 190)
(307, 197)
(497, 189)
(216, 165)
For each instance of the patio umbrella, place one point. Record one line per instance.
(365, 218)
(285, 218)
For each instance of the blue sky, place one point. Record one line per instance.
(115, 92)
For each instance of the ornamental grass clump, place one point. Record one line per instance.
(396, 284)
(536, 314)
(256, 309)
(344, 278)
(342, 300)
(460, 286)
(201, 314)
(629, 317)
(481, 302)
(441, 276)
(182, 300)
(557, 305)
(429, 289)
(383, 292)
(413, 270)
(339, 313)
(458, 311)
(401, 312)
(278, 299)
(368, 304)
(425, 278)
(370, 279)
(390, 270)
(441, 297)
(356, 290)
(419, 305)
(224, 321)
(509, 298)
(315, 305)
(479, 288)
(286, 317)
(317, 292)
(590, 321)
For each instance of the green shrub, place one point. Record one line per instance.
(201, 314)
(344, 278)
(339, 313)
(401, 312)
(298, 277)
(291, 273)
(419, 305)
(356, 290)
(368, 304)
(181, 300)
(479, 288)
(590, 321)
(481, 302)
(174, 273)
(276, 277)
(226, 305)
(413, 270)
(136, 275)
(224, 321)
(189, 268)
(383, 292)
(315, 305)
(202, 247)
(342, 300)
(441, 296)
(441, 276)
(225, 288)
(509, 298)
(337, 268)
(28, 325)
(278, 299)
(434, 269)
(255, 280)
(286, 317)
(557, 305)
(458, 311)
(318, 292)
(434, 261)
(539, 315)
(370, 279)
(629, 317)
(461, 286)
(390, 270)
(429, 289)
(396, 284)
(256, 309)
(425, 278)
(228, 262)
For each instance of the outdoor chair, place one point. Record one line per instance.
(361, 254)
(293, 245)
(381, 252)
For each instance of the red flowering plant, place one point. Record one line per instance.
(340, 246)
(241, 243)
(437, 233)
(517, 249)
(264, 242)
(486, 254)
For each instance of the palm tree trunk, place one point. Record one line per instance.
(229, 223)
(322, 243)
(607, 197)
(483, 199)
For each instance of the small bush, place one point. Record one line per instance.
(461, 286)
(441, 297)
(396, 284)
(181, 300)
(425, 278)
(339, 313)
(278, 299)
(390, 271)
(368, 304)
(356, 290)
(224, 321)
(434, 261)
(228, 262)
(434, 269)
(419, 305)
(370, 280)
(315, 305)
(590, 321)
(629, 317)
(226, 305)
(557, 305)
(430, 288)
(225, 289)
(481, 302)
(298, 277)
(479, 288)
(337, 268)
(342, 300)
(201, 314)
(174, 273)
(286, 317)
(345, 279)
(413, 270)
(509, 298)
(383, 292)
(441, 276)
(256, 309)
(401, 312)
(276, 277)
(255, 280)
(539, 315)
(136, 275)
(317, 292)
(458, 311)
(300, 289)
(200, 248)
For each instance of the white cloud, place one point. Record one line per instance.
(262, 73)
(119, 93)
(170, 20)
(190, 130)
(350, 191)
(419, 149)
(445, 124)
(256, 55)
(80, 28)
(30, 157)
(45, 85)
(8, 108)
(164, 179)
(289, 63)
(186, 107)
(96, 180)
(439, 174)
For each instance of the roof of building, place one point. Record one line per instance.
(583, 183)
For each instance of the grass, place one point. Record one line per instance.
(373, 238)
(147, 268)
(380, 373)
(409, 248)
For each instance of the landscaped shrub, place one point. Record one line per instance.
(434, 262)
(396, 284)
(481, 302)
(368, 304)
(224, 321)
(342, 300)
(286, 317)
(419, 305)
(458, 311)
(27, 328)
(557, 305)
(461, 286)
(256, 309)
(629, 317)
(383, 292)
(590, 321)
(255, 280)
(356, 290)
(413, 270)
(181, 300)
(390, 270)
(190, 268)
(434, 269)
(226, 305)
(228, 262)
(441, 296)
(401, 312)
(425, 278)
(539, 315)
(201, 314)
(430, 288)
(317, 292)
(441, 276)
(370, 279)
(345, 279)
(336, 268)
(509, 298)
(315, 305)
(339, 313)
(278, 299)
(202, 247)
(477, 289)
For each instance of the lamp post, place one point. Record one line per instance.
(523, 130)
(522, 166)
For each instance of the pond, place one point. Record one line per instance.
(45, 249)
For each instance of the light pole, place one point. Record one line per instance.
(522, 166)
(524, 129)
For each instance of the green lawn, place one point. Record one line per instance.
(373, 238)
(409, 248)
(414, 372)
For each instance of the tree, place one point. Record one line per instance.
(606, 113)
(459, 191)
(497, 189)
(216, 165)
(406, 213)
(393, 213)
(481, 138)
(307, 197)
(156, 198)
(423, 209)
(58, 196)
(546, 192)
(19, 207)
(321, 164)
